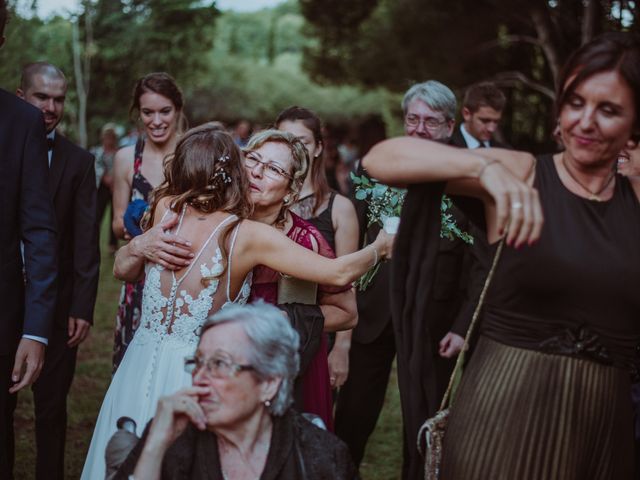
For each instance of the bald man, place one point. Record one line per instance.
(72, 188)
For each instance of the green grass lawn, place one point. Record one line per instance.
(382, 459)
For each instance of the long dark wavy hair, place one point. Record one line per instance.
(163, 84)
(318, 175)
(206, 172)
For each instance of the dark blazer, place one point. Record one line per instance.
(374, 304)
(26, 214)
(72, 184)
(374, 308)
(458, 140)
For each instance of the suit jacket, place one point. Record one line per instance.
(72, 184)
(374, 304)
(26, 213)
(374, 310)
(458, 140)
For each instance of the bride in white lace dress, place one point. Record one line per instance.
(206, 185)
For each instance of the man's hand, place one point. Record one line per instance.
(451, 345)
(28, 364)
(78, 331)
(164, 248)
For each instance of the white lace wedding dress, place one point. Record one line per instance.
(174, 307)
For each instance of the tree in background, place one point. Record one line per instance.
(519, 44)
(136, 37)
(231, 65)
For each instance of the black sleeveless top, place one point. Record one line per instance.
(324, 223)
(575, 292)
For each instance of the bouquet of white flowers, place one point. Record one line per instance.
(385, 205)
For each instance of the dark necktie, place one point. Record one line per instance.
(50, 142)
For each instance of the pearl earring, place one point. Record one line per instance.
(267, 403)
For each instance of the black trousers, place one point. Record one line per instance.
(50, 400)
(361, 398)
(7, 407)
(103, 200)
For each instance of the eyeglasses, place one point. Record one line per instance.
(430, 123)
(217, 366)
(271, 170)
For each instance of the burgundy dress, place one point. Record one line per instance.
(317, 396)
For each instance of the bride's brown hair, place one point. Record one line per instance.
(206, 172)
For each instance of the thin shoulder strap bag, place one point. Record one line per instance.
(431, 434)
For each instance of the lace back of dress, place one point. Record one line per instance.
(177, 304)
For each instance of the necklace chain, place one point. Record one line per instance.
(592, 195)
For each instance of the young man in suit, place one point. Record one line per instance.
(27, 298)
(73, 190)
(429, 113)
(482, 108)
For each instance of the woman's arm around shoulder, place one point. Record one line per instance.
(260, 244)
(130, 259)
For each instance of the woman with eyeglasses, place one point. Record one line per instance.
(276, 163)
(547, 392)
(235, 421)
(206, 186)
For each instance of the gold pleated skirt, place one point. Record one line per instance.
(526, 415)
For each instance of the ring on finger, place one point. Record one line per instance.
(516, 205)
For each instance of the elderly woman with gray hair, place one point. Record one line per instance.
(235, 421)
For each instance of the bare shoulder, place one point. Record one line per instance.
(343, 209)
(161, 208)
(123, 159)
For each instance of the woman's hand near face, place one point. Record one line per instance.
(172, 416)
(171, 419)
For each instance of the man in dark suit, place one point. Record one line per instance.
(429, 112)
(482, 108)
(73, 191)
(27, 215)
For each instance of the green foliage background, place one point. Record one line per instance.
(230, 65)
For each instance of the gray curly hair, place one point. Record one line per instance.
(274, 346)
(436, 95)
